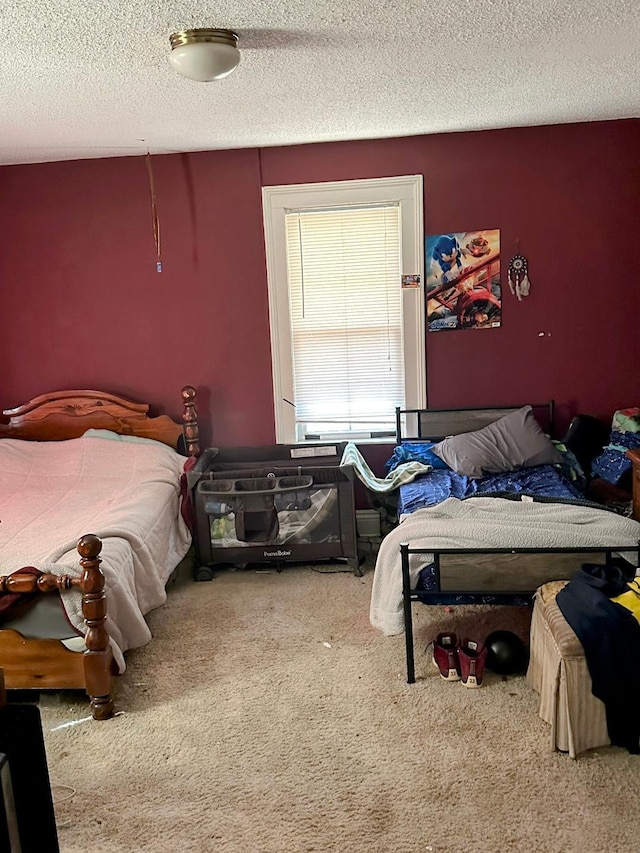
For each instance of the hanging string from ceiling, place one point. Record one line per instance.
(154, 212)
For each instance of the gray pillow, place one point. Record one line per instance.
(514, 441)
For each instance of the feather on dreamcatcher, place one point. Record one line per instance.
(518, 276)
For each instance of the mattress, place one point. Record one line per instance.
(486, 523)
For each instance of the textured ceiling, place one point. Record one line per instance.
(92, 79)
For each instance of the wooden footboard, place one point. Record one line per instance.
(42, 664)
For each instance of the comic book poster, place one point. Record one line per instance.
(463, 280)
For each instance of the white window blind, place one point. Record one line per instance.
(346, 315)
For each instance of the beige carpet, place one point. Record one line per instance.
(267, 715)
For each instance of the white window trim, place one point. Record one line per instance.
(408, 192)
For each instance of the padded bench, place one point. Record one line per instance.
(558, 673)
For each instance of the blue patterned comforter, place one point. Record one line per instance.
(539, 481)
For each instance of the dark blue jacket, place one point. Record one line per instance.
(610, 636)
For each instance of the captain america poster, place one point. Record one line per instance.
(463, 280)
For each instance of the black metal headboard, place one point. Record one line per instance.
(436, 424)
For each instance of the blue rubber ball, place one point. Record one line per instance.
(506, 653)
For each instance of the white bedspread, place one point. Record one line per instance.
(486, 523)
(127, 493)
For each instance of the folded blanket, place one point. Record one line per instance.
(487, 523)
(352, 458)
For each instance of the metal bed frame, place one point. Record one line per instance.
(439, 596)
(434, 425)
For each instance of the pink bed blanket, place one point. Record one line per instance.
(127, 492)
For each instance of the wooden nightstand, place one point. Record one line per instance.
(634, 456)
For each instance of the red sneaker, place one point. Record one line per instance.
(445, 656)
(472, 656)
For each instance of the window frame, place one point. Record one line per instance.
(405, 190)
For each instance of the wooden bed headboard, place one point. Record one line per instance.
(61, 415)
(436, 424)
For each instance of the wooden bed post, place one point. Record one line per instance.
(98, 657)
(190, 419)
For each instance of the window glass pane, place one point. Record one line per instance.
(345, 305)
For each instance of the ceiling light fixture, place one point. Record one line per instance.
(205, 54)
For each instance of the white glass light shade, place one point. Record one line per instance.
(204, 55)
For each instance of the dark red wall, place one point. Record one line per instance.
(81, 304)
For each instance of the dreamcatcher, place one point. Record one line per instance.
(518, 278)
